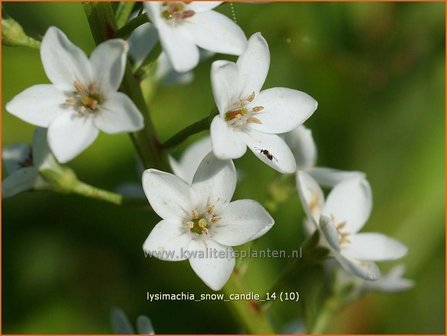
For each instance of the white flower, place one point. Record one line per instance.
(251, 117)
(83, 98)
(187, 166)
(199, 221)
(22, 163)
(392, 282)
(340, 217)
(185, 26)
(303, 147)
(142, 41)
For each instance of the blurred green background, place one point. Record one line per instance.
(377, 71)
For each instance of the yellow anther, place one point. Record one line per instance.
(253, 120)
(257, 108)
(79, 87)
(210, 209)
(251, 97)
(195, 214)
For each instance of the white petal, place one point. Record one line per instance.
(168, 194)
(141, 42)
(69, 134)
(226, 142)
(108, 62)
(241, 222)
(392, 282)
(202, 6)
(214, 182)
(212, 262)
(303, 147)
(41, 151)
(180, 49)
(281, 158)
(329, 231)
(191, 158)
(38, 105)
(374, 247)
(153, 10)
(167, 75)
(14, 155)
(225, 86)
(216, 32)
(284, 110)
(329, 177)
(311, 196)
(64, 62)
(168, 240)
(118, 114)
(253, 65)
(19, 181)
(351, 202)
(364, 269)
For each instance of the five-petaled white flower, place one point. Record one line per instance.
(23, 162)
(83, 98)
(302, 144)
(185, 26)
(199, 221)
(251, 117)
(340, 217)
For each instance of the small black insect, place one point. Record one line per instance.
(267, 154)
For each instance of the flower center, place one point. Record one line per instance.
(242, 114)
(86, 100)
(343, 236)
(175, 11)
(200, 223)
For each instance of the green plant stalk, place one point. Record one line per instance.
(64, 180)
(198, 126)
(14, 36)
(249, 313)
(129, 27)
(89, 191)
(103, 26)
(330, 308)
(123, 12)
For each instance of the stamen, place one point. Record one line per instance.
(210, 209)
(176, 11)
(253, 120)
(251, 97)
(79, 87)
(215, 219)
(257, 108)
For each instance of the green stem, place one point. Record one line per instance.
(14, 36)
(123, 12)
(249, 313)
(128, 28)
(103, 26)
(329, 309)
(198, 126)
(89, 191)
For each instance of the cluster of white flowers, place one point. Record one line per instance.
(195, 204)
